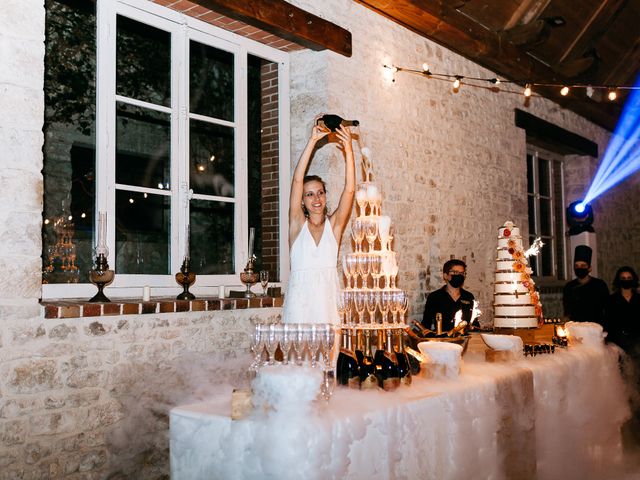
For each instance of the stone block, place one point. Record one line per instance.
(26, 106)
(12, 432)
(58, 422)
(87, 378)
(22, 188)
(28, 243)
(25, 280)
(23, 62)
(62, 331)
(22, 21)
(31, 376)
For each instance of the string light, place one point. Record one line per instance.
(565, 89)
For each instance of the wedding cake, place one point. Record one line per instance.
(516, 302)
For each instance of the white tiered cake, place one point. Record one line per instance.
(516, 302)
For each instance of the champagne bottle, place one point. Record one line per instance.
(415, 359)
(347, 364)
(368, 377)
(420, 330)
(438, 323)
(359, 347)
(386, 363)
(404, 369)
(332, 122)
(458, 329)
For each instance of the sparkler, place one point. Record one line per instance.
(535, 248)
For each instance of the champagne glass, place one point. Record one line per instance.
(348, 301)
(371, 233)
(315, 340)
(372, 304)
(361, 199)
(298, 341)
(403, 306)
(273, 340)
(264, 281)
(357, 232)
(288, 335)
(257, 346)
(352, 265)
(328, 383)
(385, 303)
(263, 333)
(363, 268)
(375, 264)
(341, 304)
(396, 299)
(359, 301)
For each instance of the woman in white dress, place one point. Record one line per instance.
(314, 236)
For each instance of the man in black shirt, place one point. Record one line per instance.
(450, 298)
(585, 298)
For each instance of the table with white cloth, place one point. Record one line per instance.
(547, 417)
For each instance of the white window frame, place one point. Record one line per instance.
(556, 162)
(183, 29)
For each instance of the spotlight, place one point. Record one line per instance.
(527, 90)
(564, 91)
(456, 83)
(612, 95)
(579, 217)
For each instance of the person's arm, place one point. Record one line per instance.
(341, 215)
(296, 215)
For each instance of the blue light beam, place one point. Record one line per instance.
(622, 157)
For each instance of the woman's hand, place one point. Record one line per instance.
(344, 138)
(318, 131)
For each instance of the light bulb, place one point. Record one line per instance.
(456, 83)
(564, 91)
(131, 200)
(612, 95)
(527, 90)
(425, 67)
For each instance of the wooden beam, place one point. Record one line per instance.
(286, 21)
(443, 24)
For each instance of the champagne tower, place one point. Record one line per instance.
(371, 307)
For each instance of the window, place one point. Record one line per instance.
(173, 128)
(546, 212)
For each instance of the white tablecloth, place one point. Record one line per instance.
(549, 417)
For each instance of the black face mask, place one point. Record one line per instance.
(456, 281)
(626, 283)
(581, 272)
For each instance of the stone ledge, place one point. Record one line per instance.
(81, 308)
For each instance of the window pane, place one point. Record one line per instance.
(546, 217)
(69, 141)
(211, 170)
(143, 62)
(530, 182)
(211, 81)
(143, 226)
(533, 261)
(546, 257)
(532, 214)
(143, 146)
(263, 134)
(544, 170)
(211, 237)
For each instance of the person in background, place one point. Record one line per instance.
(623, 329)
(450, 298)
(584, 299)
(314, 235)
(623, 311)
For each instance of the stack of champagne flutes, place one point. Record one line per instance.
(296, 344)
(372, 309)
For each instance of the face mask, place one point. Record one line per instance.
(456, 281)
(581, 272)
(626, 283)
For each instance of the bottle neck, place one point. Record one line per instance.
(389, 343)
(367, 343)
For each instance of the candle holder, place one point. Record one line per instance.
(101, 276)
(185, 277)
(249, 277)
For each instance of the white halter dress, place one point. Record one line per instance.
(313, 286)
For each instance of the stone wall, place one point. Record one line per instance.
(452, 165)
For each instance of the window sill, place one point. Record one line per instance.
(82, 308)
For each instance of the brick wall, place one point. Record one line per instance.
(270, 166)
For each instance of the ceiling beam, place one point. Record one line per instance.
(286, 21)
(438, 21)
